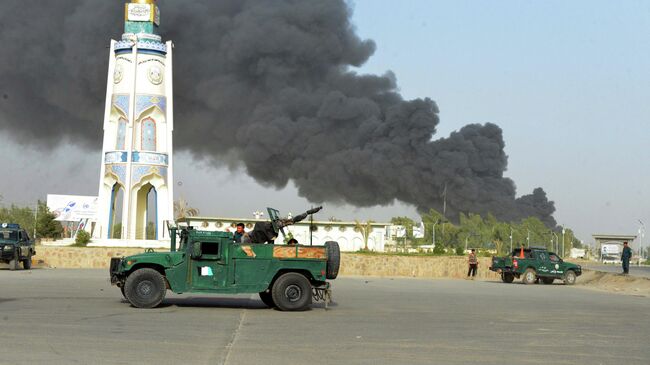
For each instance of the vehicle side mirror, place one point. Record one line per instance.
(196, 250)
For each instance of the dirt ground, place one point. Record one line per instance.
(616, 283)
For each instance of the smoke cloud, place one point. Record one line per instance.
(266, 85)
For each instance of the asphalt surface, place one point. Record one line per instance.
(76, 317)
(642, 271)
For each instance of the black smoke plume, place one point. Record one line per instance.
(268, 83)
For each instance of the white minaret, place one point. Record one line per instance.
(136, 180)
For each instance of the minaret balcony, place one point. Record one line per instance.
(140, 157)
(144, 46)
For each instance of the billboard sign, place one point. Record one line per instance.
(72, 207)
(611, 249)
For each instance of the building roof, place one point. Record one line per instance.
(617, 237)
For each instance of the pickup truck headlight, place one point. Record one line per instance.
(8, 247)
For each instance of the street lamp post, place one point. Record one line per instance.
(557, 241)
(528, 237)
(511, 230)
(563, 232)
(434, 232)
(641, 236)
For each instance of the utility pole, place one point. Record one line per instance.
(528, 237)
(511, 230)
(444, 201)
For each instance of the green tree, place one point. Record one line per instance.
(24, 216)
(539, 234)
(182, 209)
(46, 226)
(500, 234)
(82, 238)
(365, 229)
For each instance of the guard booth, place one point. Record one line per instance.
(610, 246)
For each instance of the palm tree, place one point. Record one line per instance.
(365, 229)
(182, 209)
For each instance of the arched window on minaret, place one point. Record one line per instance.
(148, 134)
(121, 134)
(115, 212)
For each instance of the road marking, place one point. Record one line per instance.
(228, 349)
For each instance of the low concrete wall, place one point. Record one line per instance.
(79, 257)
(351, 264)
(413, 266)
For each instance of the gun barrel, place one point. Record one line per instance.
(304, 215)
(314, 210)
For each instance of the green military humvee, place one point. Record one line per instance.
(286, 277)
(16, 246)
(534, 264)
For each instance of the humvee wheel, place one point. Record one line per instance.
(27, 263)
(547, 281)
(530, 276)
(292, 292)
(267, 298)
(507, 278)
(145, 288)
(13, 264)
(333, 259)
(570, 277)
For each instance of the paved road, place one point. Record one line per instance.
(643, 271)
(74, 316)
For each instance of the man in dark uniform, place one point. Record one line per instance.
(239, 233)
(625, 257)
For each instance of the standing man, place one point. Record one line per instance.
(473, 264)
(239, 233)
(625, 257)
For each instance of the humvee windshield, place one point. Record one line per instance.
(9, 235)
(210, 248)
